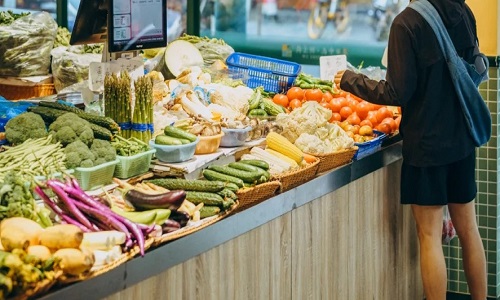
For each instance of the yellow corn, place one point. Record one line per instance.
(277, 142)
(283, 157)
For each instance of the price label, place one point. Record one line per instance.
(330, 65)
(97, 72)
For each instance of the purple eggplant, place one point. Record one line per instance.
(171, 200)
(180, 217)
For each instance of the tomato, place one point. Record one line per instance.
(391, 122)
(353, 119)
(372, 117)
(326, 105)
(366, 122)
(343, 101)
(340, 94)
(335, 104)
(295, 103)
(345, 112)
(384, 127)
(335, 117)
(352, 103)
(281, 99)
(313, 94)
(295, 93)
(362, 109)
(327, 97)
(383, 113)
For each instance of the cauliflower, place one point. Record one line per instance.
(235, 98)
(69, 128)
(310, 144)
(25, 126)
(103, 151)
(78, 154)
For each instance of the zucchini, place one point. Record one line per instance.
(257, 112)
(226, 193)
(271, 108)
(101, 132)
(232, 187)
(249, 168)
(256, 162)
(250, 177)
(204, 197)
(105, 122)
(189, 185)
(209, 211)
(167, 140)
(179, 133)
(213, 175)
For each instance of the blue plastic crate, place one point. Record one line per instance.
(274, 75)
(370, 147)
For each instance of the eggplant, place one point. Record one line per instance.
(170, 200)
(180, 216)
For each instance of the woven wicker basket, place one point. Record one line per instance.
(64, 279)
(329, 161)
(18, 92)
(295, 178)
(193, 228)
(249, 197)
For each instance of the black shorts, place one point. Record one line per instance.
(453, 183)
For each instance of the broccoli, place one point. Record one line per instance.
(78, 154)
(25, 126)
(69, 128)
(103, 151)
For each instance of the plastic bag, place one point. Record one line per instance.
(25, 45)
(9, 110)
(375, 73)
(70, 65)
(449, 232)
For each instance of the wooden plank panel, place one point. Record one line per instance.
(319, 264)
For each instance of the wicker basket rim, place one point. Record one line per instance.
(294, 172)
(353, 148)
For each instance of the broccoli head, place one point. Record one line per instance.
(103, 151)
(25, 126)
(78, 155)
(69, 128)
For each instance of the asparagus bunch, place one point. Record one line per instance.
(142, 117)
(117, 93)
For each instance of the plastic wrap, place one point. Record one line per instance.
(25, 45)
(449, 231)
(71, 66)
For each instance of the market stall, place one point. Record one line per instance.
(184, 149)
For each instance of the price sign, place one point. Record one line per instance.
(330, 65)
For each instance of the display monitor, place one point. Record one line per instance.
(137, 24)
(126, 25)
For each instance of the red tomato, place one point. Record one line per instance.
(327, 97)
(335, 117)
(335, 104)
(353, 119)
(314, 94)
(295, 93)
(362, 109)
(281, 99)
(345, 112)
(372, 117)
(391, 122)
(383, 113)
(384, 127)
(366, 122)
(295, 103)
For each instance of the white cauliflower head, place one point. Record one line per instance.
(310, 144)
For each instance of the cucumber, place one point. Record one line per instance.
(226, 193)
(227, 203)
(232, 187)
(205, 198)
(213, 175)
(185, 141)
(257, 163)
(209, 211)
(179, 133)
(189, 185)
(249, 168)
(250, 177)
(167, 140)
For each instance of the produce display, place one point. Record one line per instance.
(56, 227)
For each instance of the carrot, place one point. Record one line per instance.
(309, 158)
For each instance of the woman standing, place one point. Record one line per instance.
(438, 152)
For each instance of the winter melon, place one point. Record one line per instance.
(178, 56)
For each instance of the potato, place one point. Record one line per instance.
(365, 130)
(74, 261)
(15, 231)
(61, 236)
(39, 251)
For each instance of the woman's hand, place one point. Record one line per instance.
(338, 77)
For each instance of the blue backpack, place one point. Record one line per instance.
(465, 77)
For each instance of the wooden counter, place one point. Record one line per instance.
(343, 236)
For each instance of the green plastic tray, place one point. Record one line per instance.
(96, 177)
(130, 166)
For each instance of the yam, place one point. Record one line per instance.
(39, 251)
(61, 236)
(15, 231)
(74, 261)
